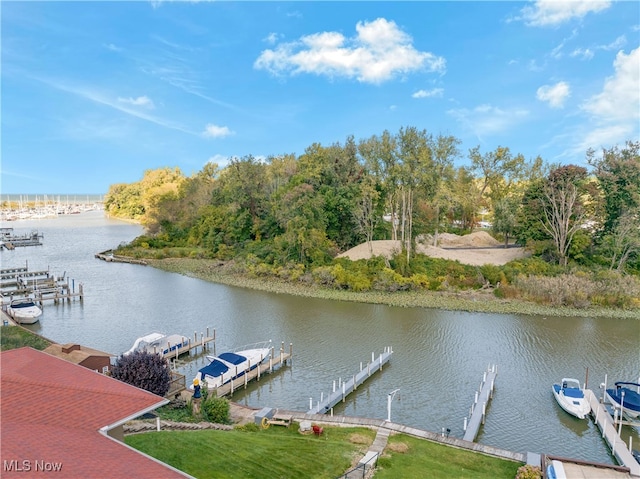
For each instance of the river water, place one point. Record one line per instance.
(438, 361)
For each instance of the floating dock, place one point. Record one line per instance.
(611, 435)
(344, 388)
(479, 407)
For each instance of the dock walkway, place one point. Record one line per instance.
(478, 409)
(605, 423)
(347, 387)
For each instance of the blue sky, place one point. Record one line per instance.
(95, 93)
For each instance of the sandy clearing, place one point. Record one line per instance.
(475, 249)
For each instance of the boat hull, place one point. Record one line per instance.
(630, 402)
(231, 366)
(572, 400)
(24, 312)
(159, 343)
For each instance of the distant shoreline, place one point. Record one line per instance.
(469, 301)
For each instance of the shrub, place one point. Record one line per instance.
(529, 472)
(144, 370)
(216, 410)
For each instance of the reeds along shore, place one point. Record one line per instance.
(465, 300)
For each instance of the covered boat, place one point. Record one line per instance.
(24, 311)
(231, 365)
(625, 395)
(159, 343)
(570, 397)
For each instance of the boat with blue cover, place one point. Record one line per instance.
(570, 396)
(233, 364)
(625, 395)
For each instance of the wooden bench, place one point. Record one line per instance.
(281, 420)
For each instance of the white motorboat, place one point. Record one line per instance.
(232, 365)
(625, 396)
(24, 311)
(570, 397)
(158, 343)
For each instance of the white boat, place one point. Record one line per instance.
(158, 343)
(231, 365)
(24, 311)
(570, 397)
(555, 470)
(625, 395)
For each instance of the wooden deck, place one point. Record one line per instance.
(344, 388)
(479, 407)
(605, 423)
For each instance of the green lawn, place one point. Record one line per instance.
(407, 456)
(13, 337)
(277, 452)
(284, 453)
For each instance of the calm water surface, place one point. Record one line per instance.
(439, 356)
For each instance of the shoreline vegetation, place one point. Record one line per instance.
(480, 301)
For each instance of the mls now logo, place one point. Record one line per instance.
(27, 465)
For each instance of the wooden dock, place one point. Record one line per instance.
(186, 346)
(41, 286)
(344, 388)
(479, 407)
(110, 257)
(10, 241)
(606, 424)
(256, 373)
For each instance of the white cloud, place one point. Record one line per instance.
(435, 92)
(379, 51)
(554, 12)
(617, 44)
(272, 38)
(486, 120)
(555, 95)
(615, 111)
(620, 96)
(585, 54)
(112, 47)
(218, 159)
(140, 101)
(215, 131)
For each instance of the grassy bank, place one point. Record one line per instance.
(283, 452)
(475, 301)
(13, 337)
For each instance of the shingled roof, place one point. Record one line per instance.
(55, 412)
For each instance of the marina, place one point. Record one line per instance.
(40, 286)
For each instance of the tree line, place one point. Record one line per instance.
(305, 209)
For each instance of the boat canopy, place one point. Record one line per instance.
(214, 369)
(232, 358)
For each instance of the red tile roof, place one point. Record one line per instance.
(52, 412)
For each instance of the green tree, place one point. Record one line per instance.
(618, 174)
(563, 207)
